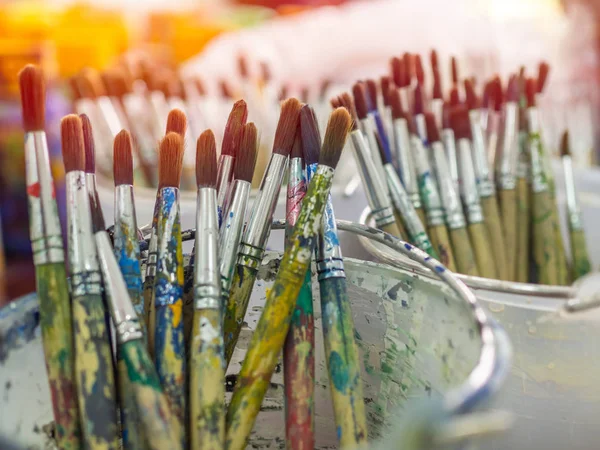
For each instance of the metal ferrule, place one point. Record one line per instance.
(403, 204)
(224, 179)
(406, 167)
(572, 202)
(330, 263)
(259, 226)
(160, 110)
(126, 238)
(405, 98)
(539, 182)
(135, 107)
(375, 190)
(153, 242)
(480, 161)
(122, 311)
(509, 148)
(428, 186)
(468, 187)
(231, 232)
(450, 147)
(207, 282)
(450, 197)
(437, 108)
(491, 132)
(421, 127)
(110, 115)
(34, 200)
(83, 257)
(368, 128)
(388, 122)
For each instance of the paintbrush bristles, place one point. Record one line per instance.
(123, 158)
(71, 136)
(418, 105)
(335, 137)
(419, 72)
(311, 137)
(176, 122)
(297, 147)
(386, 84)
(88, 142)
(433, 134)
(286, 127)
(372, 91)
(471, 97)
(233, 129)
(530, 91)
(346, 102)
(206, 160)
(459, 118)
(543, 70)
(360, 100)
(90, 84)
(454, 69)
(245, 160)
(170, 160)
(565, 148)
(33, 98)
(396, 103)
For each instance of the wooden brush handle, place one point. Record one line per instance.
(441, 243)
(400, 224)
(421, 215)
(494, 226)
(564, 275)
(59, 352)
(581, 264)
(392, 228)
(463, 252)
(523, 230)
(150, 311)
(484, 255)
(508, 209)
(132, 437)
(544, 239)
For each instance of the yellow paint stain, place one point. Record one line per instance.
(176, 310)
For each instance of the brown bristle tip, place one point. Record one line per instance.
(286, 127)
(245, 160)
(71, 136)
(399, 74)
(396, 103)
(419, 72)
(530, 91)
(226, 90)
(454, 96)
(418, 104)
(433, 57)
(123, 158)
(470, 95)
(297, 147)
(437, 86)
(372, 91)
(176, 122)
(235, 122)
(33, 97)
(121, 84)
(433, 134)
(170, 160)
(459, 118)
(265, 72)
(90, 84)
(360, 100)
(512, 90)
(311, 136)
(88, 143)
(543, 70)
(348, 103)
(454, 66)
(565, 148)
(242, 63)
(386, 83)
(409, 65)
(206, 160)
(335, 102)
(335, 137)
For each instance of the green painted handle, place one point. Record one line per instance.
(480, 238)
(581, 261)
(133, 439)
(544, 240)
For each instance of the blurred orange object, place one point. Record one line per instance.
(285, 7)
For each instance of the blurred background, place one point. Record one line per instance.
(305, 48)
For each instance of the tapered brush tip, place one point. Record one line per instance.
(311, 137)
(543, 70)
(437, 86)
(418, 105)
(235, 122)
(454, 96)
(471, 96)
(335, 137)
(360, 100)
(335, 102)
(348, 103)
(530, 91)
(245, 159)
(73, 148)
(88, 142)
(409, 64)
(396, 103)
(33, 97)
(286, 127)
(226, 90)
(123, 158)
(372, 92)
(386, 84)
(90, 84)
(459, 118)
(176, 122)
(565, 147)
(399, 72)
(206, 160)
(297, 147)
(170, 160)
(433, 57)
(117, 82)
(454, 69)
(512, 90)
(419, 71)
(433, 134)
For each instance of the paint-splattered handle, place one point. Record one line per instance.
(341, 354)
(156, 421)
(463, 252)
(564, 271)
(57, 338)
(544, 241)
(149, 311)
(132, 438)
(480, 238)
(299, 372)
(523, 230)
(95, 373)
(441, 243)
(207, 381)
(241, 290)
(508, 213)
(581, 262)
(489, 205)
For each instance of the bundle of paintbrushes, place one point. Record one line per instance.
(119, 363)
(466, 178)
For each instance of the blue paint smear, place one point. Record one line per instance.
(408, 246)
(339, 371)
(440, 269)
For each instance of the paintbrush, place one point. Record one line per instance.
(298, 350)
(478, 232)
(207, 364)
(127, 257)
(418, 68)
(419, 114)
(454, 96)
(177, 122)
(375, 187)
(167, 320)
(229, 147)
(156, 98)
(108, 77)
(485, 185)
(507, 178)
(387, 87)
(255, 236)
(146, 407)
(453, 212)
(580, 263)
(233, 223)
(93, 357)
(449, 142)
(338, 326)
(48, 257)
(271, 330)
(492, 107)
(437, 94)
(375, 116)
(406, 164)
(454, 71)
(402, 81)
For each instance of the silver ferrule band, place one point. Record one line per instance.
(404, 156)
(480, 161)
(110, 115)
(125, 210)
(509, 147)
(469, 193)
(405, 98)
(368, 127)
(539, 183)
(421, 126)
(329, 253)
(403, 204)
(83, 257)
(152, 259)
(34, 200)
(259, 225)
(450, 147)
(207, 282)
(224, 179)
(437, 109)
(429, 190)
(571, 194)
(231, 231)
(450, 197)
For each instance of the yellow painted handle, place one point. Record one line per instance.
(463, 252)
(508, 210)
(523, 230)
(483, 250)
(441, 243)
(494, 226)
